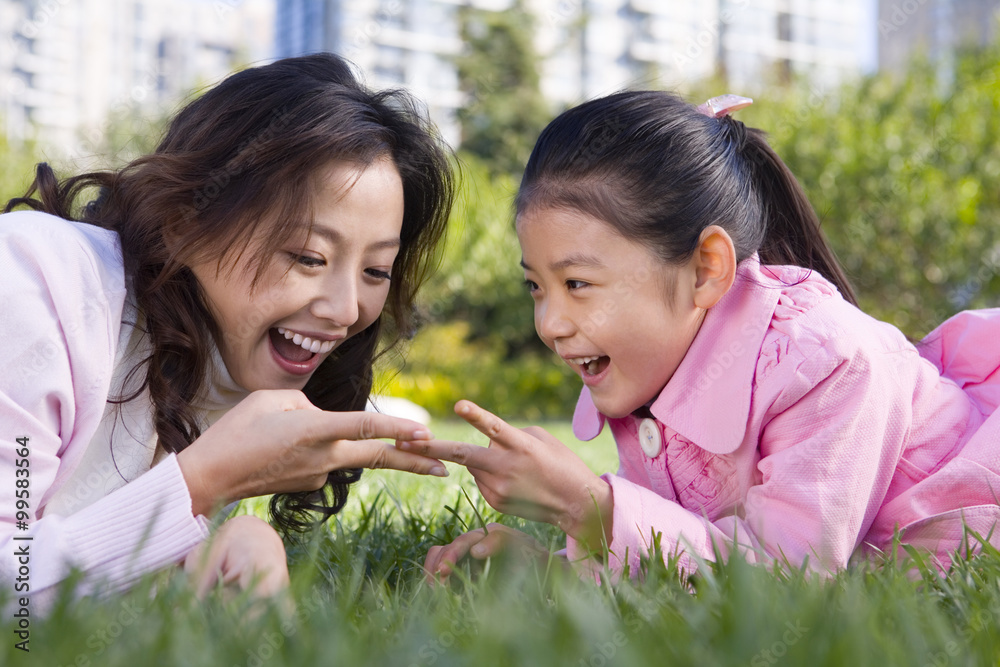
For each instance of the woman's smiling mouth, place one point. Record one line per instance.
(297, 353)
(312, 345)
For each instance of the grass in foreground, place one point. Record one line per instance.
(360, 599)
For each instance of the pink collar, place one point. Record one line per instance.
(707, 401)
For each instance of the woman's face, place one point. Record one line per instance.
(275, 335)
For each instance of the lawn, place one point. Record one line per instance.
(360, 599)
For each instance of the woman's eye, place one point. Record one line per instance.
(531, 285)
(575, 284)
(378, 274)
(307, 261)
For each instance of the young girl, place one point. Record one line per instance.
(204, 330)
(668, 252)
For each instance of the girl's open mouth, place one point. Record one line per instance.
(591, 366)
(596, 366)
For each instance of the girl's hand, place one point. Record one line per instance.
(530, 474)
(245, 551)
(480, 545)
(276, 441)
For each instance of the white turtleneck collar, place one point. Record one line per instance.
(125, 444)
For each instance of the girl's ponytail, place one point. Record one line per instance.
(792, 231)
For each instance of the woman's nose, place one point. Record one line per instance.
(336, 300)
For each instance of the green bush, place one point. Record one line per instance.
(905, 174)
(480, 281)
(17, 163)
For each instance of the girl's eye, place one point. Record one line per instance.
(531, 285)
(378, 274)
(575, 284)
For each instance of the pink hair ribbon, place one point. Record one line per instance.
(723, 105)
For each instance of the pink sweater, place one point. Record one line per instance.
(61, 302)
(798, 427)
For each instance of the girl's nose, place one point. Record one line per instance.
(551, 321)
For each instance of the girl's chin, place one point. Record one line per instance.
(616, 409)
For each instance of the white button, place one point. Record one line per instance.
(650, 439)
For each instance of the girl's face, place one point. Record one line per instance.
(603, 304)
(276, 335)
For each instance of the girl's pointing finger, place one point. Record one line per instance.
(463, 453)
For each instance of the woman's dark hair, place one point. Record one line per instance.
(237, 162)
(656, 169)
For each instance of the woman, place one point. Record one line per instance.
(204, 330)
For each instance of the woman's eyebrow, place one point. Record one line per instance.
(335, 237)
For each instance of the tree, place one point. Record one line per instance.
(480, 280)
(499, 73)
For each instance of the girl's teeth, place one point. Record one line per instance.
(306, 343)
(592, 367)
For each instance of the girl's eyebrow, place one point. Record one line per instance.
(574, 260)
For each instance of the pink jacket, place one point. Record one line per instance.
(798, 427)
(61, 301)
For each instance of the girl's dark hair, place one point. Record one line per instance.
(660, 172)
(240, 161)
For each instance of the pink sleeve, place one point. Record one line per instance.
(963, 348)
(826, 459)
(640, 514)
(60, 308)
(142, 527)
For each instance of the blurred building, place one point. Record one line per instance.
(67, 66)
(592, 47)
(408, 43)
(933, 29)
(824, 42)
(752, 43)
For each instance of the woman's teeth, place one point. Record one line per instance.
(306, 343)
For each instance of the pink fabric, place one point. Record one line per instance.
(61, 302)
(799, 428)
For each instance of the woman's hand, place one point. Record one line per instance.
(530, 474)
(245, 551)
(276, 441)
(480, 544)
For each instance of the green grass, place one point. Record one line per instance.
(361, 600)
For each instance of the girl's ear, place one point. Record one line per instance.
(714, 265)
